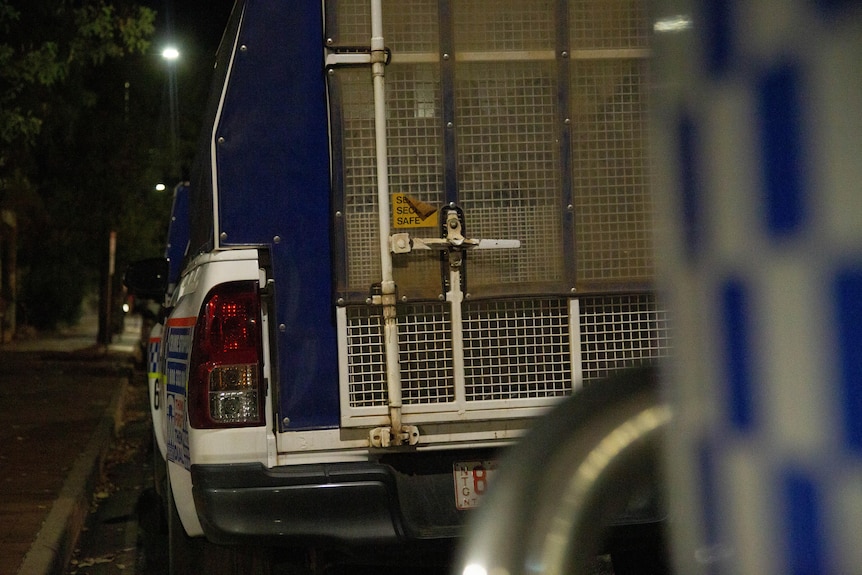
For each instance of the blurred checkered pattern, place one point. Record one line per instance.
(761, 125)
(153, 356)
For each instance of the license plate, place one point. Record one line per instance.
(471, 481)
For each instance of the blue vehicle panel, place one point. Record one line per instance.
(178, 233)
(273, 190)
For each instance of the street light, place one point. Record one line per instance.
(170, 53)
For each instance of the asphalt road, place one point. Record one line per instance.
(61, 400)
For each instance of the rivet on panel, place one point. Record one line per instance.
(276, 240)
(221, 140)
(243, 48)
(282, 328)
(223, 235)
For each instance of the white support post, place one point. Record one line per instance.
(387, 284)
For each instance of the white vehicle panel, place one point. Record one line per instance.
(154, 386)
(242, 445)
(199, 445)
(181, 485)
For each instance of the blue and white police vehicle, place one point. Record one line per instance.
(413, 227)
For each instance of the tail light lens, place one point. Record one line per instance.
(225, 382)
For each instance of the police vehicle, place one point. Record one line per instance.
(413, 228)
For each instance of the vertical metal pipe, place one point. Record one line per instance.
(456, 297)
(390, 324)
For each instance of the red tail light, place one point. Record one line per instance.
(225, 381)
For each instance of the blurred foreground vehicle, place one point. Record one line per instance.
(596, 489)
(413, 228)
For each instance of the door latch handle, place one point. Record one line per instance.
(453, 239)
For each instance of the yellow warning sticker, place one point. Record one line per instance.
(408, 212)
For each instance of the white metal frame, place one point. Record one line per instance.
(459, 410)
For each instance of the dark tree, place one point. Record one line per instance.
(80, 150)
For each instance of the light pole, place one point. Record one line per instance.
(171, 54)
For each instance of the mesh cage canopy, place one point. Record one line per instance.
(531, 116)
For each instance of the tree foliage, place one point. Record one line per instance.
(47, 42)
(77, 143)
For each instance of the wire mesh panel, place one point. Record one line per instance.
(514, 349)
(610, 166)
(507, 137)
(424, 331)
(613, 206)
(425, 355)
(366, 371)
(504, 25)
(413, 27)
(508, 128)
(351, 22)
(618, 331)
(415, 168)
(509, 176)
(360, 208)
(608, 24)
(414, 133)
(517, 349)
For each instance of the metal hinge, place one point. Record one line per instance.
(383, 436)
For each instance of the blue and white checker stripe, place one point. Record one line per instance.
(762, 126)
(153, 356)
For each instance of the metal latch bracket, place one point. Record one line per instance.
(383, 436)
(453, 239)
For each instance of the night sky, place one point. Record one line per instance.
(194, 26)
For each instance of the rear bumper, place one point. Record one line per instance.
(396, 499)
(344, 502)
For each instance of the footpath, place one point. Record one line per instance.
(61, 403)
